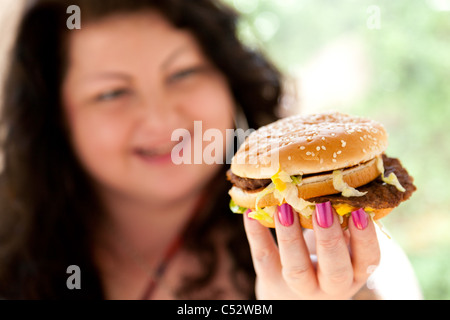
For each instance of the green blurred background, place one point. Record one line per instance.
(389, 60)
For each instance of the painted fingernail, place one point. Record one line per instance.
(247, 212)
(285, 215)
(324, 214)
(360, 219)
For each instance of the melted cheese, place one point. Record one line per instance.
(281, 179)
(343, 209)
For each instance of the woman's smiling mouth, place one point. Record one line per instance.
(159, 155)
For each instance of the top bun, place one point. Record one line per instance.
(309, 144)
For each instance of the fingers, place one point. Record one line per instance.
(297, 268)
(266, 259)
(288, 269)
(364, 245)
(339, 268)
(334, 269)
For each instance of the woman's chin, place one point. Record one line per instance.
(170, 189)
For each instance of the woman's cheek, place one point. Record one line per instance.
(212, 104)
(98, 142)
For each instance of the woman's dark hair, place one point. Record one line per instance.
(48, 207)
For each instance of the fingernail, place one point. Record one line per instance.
(285, 215)
(247, 212)
(360, 219)
(324, 214)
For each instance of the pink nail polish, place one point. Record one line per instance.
(360, 219)
(285, 215)
(324, 214)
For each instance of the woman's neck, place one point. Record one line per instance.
(144, 228)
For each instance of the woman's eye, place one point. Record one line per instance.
(185, 73)
(113, 94)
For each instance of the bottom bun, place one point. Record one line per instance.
(308, 224)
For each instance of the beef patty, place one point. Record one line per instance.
(379, 194)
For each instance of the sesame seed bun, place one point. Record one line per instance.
(310, 144)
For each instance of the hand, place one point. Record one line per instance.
(287, 272)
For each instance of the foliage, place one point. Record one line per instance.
(409, 92)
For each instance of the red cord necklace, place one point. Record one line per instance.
(159, 272)
(173, 248)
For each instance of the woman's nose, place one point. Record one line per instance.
(158, 111)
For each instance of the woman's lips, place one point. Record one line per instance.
(161, 155)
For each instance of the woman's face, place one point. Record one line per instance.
(132, 81)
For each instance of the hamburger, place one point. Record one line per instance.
(307, 159)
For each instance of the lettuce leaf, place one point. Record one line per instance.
(235, 208)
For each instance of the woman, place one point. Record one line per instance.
(88, 178)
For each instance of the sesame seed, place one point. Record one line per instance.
(334, 155)
(343, 143)
(323, 148)
(339, 152)
(334, 160)
(302, 148)
(289, 158)
(308, 153)
(323, 138)
(364, 150)
(318, 148)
